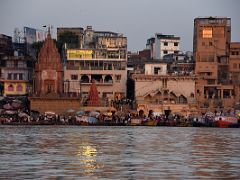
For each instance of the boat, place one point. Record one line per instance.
(225, 121)
(135, 122)
(150, 123)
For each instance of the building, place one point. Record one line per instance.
(234, 68)
(48, 70)
(180, 63)
(161, 45)
(155, 68)
(5, 45)
(102, 58)
(16, 75)
(163, 93)
(15, 71)
(211, 49)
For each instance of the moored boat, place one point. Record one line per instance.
(225, 121)
(153, 122)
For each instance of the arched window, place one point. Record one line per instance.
(10, 87)
(19, 87)
(84, 79)
(108, 79)
(182, 99)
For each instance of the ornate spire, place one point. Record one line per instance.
(49, 52)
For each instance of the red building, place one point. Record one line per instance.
(49, 69)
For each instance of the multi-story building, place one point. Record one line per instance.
(180, 63)
(161, 45)
(16, 75)
(211, 47)
(5, 45)
(158, 91)
(102, 58)
(16, 71)
(234, 68)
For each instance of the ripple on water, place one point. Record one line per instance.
(31, 152)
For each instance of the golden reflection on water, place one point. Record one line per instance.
(87, 155)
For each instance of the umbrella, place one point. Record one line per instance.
(70, 111)
(16, 105)
(94, 113)
(22, 114)
(10, 112)
(79, 113)
(49, 113)
(92, 120)
(107, 113)
(7, 106)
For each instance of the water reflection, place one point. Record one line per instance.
(118, 153)
(87, 157)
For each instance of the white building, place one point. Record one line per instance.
(162, 45)
(155, 69)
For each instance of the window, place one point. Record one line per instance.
(165, 43)
(9, 76)
(176, 44)
(15, 76)
(165, 52)
(74, 77)
(21, 64)
(207, 32)
(118, 78)
(156, 70)
(10, 64)
(234, 65)
(203, 43)
(20, 76)
(210, 43)
(175, 52)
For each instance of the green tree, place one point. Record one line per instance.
(70, 38)
(37, 47)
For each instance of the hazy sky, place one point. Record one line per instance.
(136, 19)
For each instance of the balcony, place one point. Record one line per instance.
(106, 83)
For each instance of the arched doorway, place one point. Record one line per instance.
(108, 79)
(85, 79)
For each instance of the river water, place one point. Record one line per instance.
(75, 152)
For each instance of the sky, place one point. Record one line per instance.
(138, 20)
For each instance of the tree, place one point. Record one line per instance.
(37, 47)
(70, 38)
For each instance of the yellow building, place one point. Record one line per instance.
(16, 87)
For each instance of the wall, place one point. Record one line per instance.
(57, 105)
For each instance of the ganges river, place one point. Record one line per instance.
(76, 152)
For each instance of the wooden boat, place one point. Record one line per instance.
(150, 123)
(225, 121)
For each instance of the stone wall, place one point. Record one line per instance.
(57, 105)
